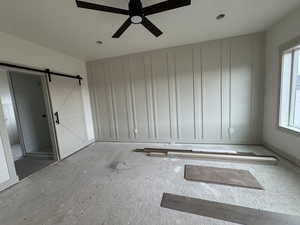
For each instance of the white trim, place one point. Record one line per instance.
(47, 101)
(291, 129)
(13, 178)
(283, 154)
(184, 141)
(282, 52)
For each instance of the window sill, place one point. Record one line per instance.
(292, 130)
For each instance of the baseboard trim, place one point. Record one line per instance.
(84, 147)
(212, 142)
(282, 154)
(10, 183)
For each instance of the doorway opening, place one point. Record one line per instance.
(28, 119)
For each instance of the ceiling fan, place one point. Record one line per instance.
(137, 14)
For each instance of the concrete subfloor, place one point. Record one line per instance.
(107, 184)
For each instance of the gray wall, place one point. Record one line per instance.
(30, 105)
(209, 92)
(288, 143)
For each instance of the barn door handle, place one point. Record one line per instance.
(57, 117)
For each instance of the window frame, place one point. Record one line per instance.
(291, 46)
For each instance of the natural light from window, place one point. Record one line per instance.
(290, 90)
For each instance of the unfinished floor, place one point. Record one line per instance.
(107, 184)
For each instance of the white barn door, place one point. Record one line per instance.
(67, 106)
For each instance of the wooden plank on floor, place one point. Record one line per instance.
(226, 212)
(198, 151)
(166, 150)
(264, 160)
(225, 176)
(269, 160)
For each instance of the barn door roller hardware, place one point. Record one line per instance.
(46, 71)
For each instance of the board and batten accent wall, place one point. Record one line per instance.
(210, 92)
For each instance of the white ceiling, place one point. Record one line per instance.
(60, 25)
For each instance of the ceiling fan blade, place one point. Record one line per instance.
(93, 6)
(122, 29)
(151, 27)
(165, 6)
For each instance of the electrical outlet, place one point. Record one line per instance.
(135, 131)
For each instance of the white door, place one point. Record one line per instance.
(67, 106)
(8, 174)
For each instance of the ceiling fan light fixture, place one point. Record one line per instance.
(136, 19)
(137, 13)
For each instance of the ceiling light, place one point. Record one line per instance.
(136, 19)
(221, 16)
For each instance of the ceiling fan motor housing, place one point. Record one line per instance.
(135, 11)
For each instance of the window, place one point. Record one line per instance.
(290, 90)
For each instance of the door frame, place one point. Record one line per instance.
(13, 177)
(50, 116)
(16, 112)
(48, 105)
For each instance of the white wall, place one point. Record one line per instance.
(192, 93)
(286, 30)
(15, 50)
